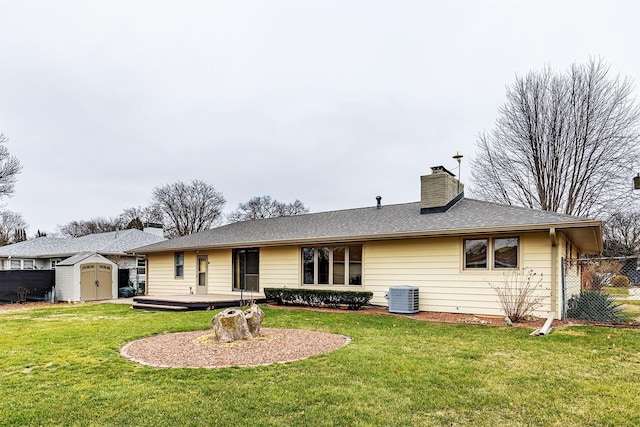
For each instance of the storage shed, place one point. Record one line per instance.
(86, 277)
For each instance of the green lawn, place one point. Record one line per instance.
(61, 366)
(616, 292)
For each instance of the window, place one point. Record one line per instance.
(504, 253)
(338, 265)
(179, 261)
(475, 253)
(20, 264)
(142, 266)
(203, 262)
(308, 268)
(355, 265)
(246, 269)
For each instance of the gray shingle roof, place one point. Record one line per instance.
(394, 221)
(111, 243)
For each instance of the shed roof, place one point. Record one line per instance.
(73, 260)
(466, 217)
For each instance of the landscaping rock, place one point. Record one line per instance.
(254, 316)
(230, 325)
(234, 324)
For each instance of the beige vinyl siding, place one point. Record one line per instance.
(161, 274)
(280, 267)
(220, 272)
(435, 266)
(537, 255)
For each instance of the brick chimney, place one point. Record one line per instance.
(439, 191)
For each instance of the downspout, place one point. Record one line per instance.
(554, 268)
(563, 272)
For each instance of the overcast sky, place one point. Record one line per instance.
(329, 102)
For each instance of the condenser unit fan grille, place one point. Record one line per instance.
(403, 300)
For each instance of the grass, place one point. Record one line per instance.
(61, 366)
(630, 308)
(616, 292)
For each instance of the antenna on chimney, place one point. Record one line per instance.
(458, 157)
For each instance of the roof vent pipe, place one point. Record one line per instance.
(379, 200)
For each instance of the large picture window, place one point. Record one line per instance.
(332, 265)
(498, 253)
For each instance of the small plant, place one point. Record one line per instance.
(594, 306)
(518, 293)
(246, 303)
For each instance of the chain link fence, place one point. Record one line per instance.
(602, 290)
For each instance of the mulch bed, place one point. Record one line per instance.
(431, 316)
(427, 316)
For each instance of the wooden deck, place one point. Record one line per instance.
(189, 302)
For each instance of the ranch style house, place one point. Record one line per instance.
(455, 250)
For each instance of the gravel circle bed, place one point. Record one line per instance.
(201, 349)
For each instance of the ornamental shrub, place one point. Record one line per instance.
(354, 300)
(594, 306)
(520, 293)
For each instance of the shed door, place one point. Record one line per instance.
(96, 282)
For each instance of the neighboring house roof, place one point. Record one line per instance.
(466, 217)
(111, 243)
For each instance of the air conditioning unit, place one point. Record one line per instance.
(403, 300)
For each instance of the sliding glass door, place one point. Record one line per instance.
(246, 272)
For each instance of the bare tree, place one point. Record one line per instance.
(10, 222)
(621, 232)
(562, 142)
(188, 208)
(136, 217)
(9, 167)
(265, 207)
(92, 226)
